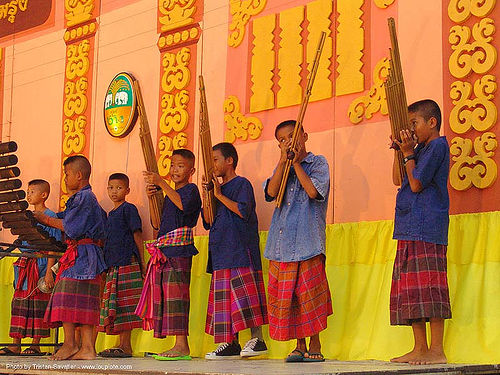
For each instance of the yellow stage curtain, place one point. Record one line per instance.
(359, 267)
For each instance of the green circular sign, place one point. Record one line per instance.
(120, 112)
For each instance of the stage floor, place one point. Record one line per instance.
(143, 366)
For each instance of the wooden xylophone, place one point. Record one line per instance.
(14, 213)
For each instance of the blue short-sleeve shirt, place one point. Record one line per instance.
(172, 218)
(234, 241)
(297, 229)
(424, 216)
(121, 225)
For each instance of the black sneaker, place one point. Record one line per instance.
(253, 347)
(225, 351)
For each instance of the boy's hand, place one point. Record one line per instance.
(296, 152)
(39, 216)
(407, 144)
(49, 279)
(152, 178)
(217, 188)
(151, 189)
(284, 147)
(207, 185)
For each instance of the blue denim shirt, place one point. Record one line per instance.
(297, 229)
(424, 216)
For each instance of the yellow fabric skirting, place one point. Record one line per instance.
(359, 268)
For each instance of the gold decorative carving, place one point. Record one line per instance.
(9, 9)
(176, 72)
(180, 140)
(460, 10)
(74, 135)
(479, 170)
(176, 13)
(77, 64)
(237, 125)
(165, 148)
(80, 31)
(318, 15)
(174, 112)
(383, 3)
(479, 112)
(350, 45)
(178, 37)
(241, 12)
(75, 94)
(290, 58)
(468, 56)
(262, 64)
(78, 11)
(375, 100)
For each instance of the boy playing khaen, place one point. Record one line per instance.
(299, 296)
(419, 291)
(123, 253)
(75, 299)
(29, 303)
(169, 270)
(237, 298)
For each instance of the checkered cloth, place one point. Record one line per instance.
(177, 237)
(74, 301)
(28, 306)
(121, 295)
(419, 284)
(237, 301)
(299, 298)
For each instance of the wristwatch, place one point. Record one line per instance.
(408, 158)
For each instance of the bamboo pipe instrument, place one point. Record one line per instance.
(206, 150)
(300, 118)
(156, 200)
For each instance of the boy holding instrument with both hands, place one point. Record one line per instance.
(299, 296)
(419, 291)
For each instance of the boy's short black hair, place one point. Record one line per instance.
(427, 108)
(121, 177)
(81, 163)
(284, 124)
(228, 151)
(44, 185)
(185, 153)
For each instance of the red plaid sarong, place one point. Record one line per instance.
(299, 298)
(177, 237)
(28, 306)
(419, 288)
(74, 301)
(121, 295)
(237, 301)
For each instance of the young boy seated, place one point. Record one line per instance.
(75, 300)
(237, 298)
(299, 296)
(29, 303)
(123, 253)
(169, 270)
(419, 291)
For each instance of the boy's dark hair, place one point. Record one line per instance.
(42, 183)
(228, 151)
(427, 108)
(185, 153)
(121, 177)
(81, 163)
(284, 124)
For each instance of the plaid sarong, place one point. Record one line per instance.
(28, 306)
(177, 237)
(299, 298)
(74, 301)
(121, 295)
(237, 301)
(419, 288)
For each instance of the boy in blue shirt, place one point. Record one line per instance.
(29, 303)
(299, 296)
(419, 291)
(237, 298)
(169, 271)
(123, 253)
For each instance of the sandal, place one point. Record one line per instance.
(295, 357)
(7, 351)
(114, 353)
(178, 356)
(320, 358)
(32, 352)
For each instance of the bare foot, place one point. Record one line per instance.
(176, 351)
(430, 357)
(413, 356)
(64, 352)
(85, 353)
